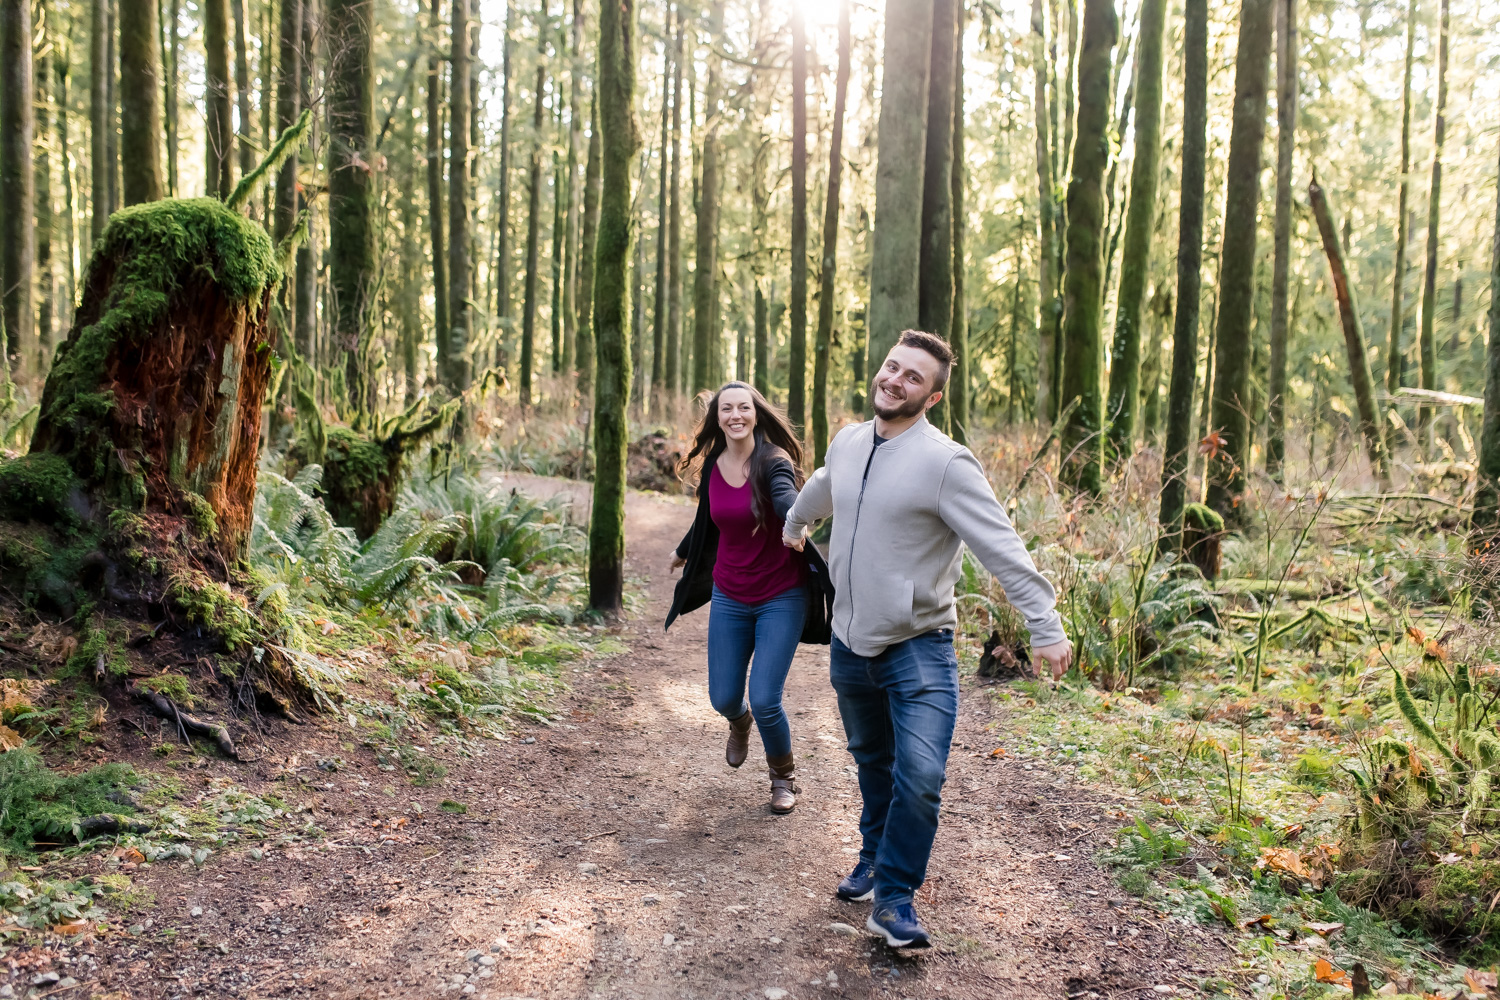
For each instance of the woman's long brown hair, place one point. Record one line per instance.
(774, 438)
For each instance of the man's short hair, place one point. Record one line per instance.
(934, 345)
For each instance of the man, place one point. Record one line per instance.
(905, 498)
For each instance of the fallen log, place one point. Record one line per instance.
(186, 723)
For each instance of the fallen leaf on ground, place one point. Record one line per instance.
(1326, 973)
(71, 927)
(1324, 929)
(1264, 921)
(1481, 982)
(1283, 859)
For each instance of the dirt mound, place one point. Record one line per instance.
(651, 463)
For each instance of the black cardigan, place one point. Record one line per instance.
(700, 547)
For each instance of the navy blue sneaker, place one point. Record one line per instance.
(899, 926)
(858, 885)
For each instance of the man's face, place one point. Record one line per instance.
(903, 386)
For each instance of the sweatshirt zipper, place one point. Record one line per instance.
(858, 505)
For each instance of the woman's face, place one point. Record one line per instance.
(736, 414)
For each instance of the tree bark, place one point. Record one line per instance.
(593, 185)
(659, 299)
(706, 246)
(242, 87)
(64, 143)
(1189, 274)
(1232, 401)
(533, 221)
(1487, 495)
(1286, 125)
(674, 226)
(434, 130)
(306, 298)
(112, 106)
(935, 251)
(957, 396)
(460, 362)
(502, 197)
(47, 50)
(288, 107)
(1434, 212)
(1140, 221)
(1049, 305)
(559, 250)
(616, 89)
(900, 157)
(1370, 422)
(218, 119)
(828, 279)
(572, 194)
(98, 119)
(1393, 362)
(17, 184)
(171, 49)
(1083, 299)
(140, 80)
(796, 379)
(351, 226)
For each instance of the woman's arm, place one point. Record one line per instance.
(782, 485)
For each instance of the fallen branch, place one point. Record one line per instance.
(186, 723)
(108, 825)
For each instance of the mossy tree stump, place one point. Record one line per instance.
(1202, 533)
(155, 397)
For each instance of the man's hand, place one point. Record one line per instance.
(677, 562)
(794, 539)
(1059, 656)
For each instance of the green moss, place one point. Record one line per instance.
(39, 805)
(1202, 517)
(24, 549)
(213, 606)
(40, 488)
(143, 261)
(201, 516)
(173, 686)
(100, 639)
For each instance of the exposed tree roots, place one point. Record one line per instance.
(186, 723)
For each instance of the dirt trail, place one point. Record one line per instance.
(617, 856)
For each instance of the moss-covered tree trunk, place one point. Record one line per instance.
(616, 90)
(351, 195)
(706, 245)
(1370, 423)
(1232, 402)
(1049, 306)
(156, 393)
(17, 183)
(98, 118)
(140, 104)
(502, 193)
(1286, 127)
(1393, 363)
(588, 240)
(829, 276)
(659, 297)
(1180, 391)
(218, 122)
(433, 126)
(796, 376)
(529, 288)
(1083, 292)
(1140, 221)
(900, 155)
(673, 363)
(935, 250)
(1434, 213)
(572, 194)
(458, 373)
(957, 396)
(243, 87)
(1487, 496)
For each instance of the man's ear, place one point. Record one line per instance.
(933, 400)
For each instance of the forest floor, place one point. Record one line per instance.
(614, 854)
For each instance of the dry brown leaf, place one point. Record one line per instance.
(1415, 634)
(1326, 973)
(1481, 982)
(71, 927)
(1283, 859)
(1324, 929)
(1264, 922)
(1435, 650)
(10, 739)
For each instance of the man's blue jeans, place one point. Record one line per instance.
(770, 631)
(899, 709)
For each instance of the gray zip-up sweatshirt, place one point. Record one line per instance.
(901, 513)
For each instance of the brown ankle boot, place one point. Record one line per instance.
(738, 747)
(783, 783)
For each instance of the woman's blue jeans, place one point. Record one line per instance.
(768, 631)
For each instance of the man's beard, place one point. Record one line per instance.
(910, 406)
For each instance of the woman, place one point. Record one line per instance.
(764, 597)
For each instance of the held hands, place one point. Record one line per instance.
(1059, 656)
(794, 539)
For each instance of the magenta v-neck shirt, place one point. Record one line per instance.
(752, 565)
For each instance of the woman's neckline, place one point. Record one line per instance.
(725, 479)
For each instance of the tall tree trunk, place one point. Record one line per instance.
(1189, 274)
(1236, 306)
(593, 184)
(306, 297)
(1434, 211)
(706, 246)
(1049, 305)
(460, 362)
(410, 280)
(434, 128)
(17, 184)
(351, 225)
(900, 158)
(502, 198)
(616, 88)
(957, 396)
(1393, 357)
(112, 107)
(796, 379)
(533, 221)
(140, 121)
(266, 68)
(1083, 293)
(659, 299)
(1286, 141)
(242, 87)
(171, 48)
(559, 215)
(1140, 221)
(1487, 496)
(761, 377)
(47, 50)
(571, 192)
(935, 251)
(674, 225)
(1370, 423)
(829, 277)
(288, 107)
(98, 119)
(70, 275)
(218, 119)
